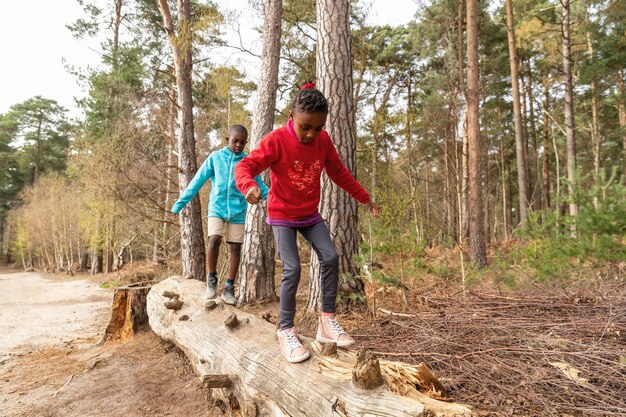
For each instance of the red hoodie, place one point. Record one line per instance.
(295, 171)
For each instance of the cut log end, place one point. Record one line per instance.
(366, 373)
(231, 322)
(210, 305)
(173, 305)
(329, 349)
(216, 381)
(170, 294)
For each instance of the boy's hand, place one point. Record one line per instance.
(253, 195)
(374, 209)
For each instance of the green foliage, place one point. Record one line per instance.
(221, 98)
(112, 284)
(558, 245)
(11, 179)
(39, 132)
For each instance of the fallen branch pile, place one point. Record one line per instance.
(548, 353)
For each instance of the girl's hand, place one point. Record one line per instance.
(374, 209)
(253, 195)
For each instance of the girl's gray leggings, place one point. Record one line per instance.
(286, 243)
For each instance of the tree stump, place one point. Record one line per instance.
(128, 312)
(366, 373)
(259, 375)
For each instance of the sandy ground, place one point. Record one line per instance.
(50, 364)
(35, 312)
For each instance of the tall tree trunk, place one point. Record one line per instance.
(569, 109)
(478, 249)
(546, 149)
(409, 155)
(621, 107)
(522, 180)
(595, 125)
(462, 174)
(505, 207)
(334, 71)
(537, 189)
(464, 184)
(192, 240)
(450, 230)
(257, 263)
(117, 21)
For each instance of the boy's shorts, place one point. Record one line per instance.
(234, 232)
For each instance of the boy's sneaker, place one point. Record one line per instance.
(228, 295)
(211, 288)
(290, 346)
(329, 330)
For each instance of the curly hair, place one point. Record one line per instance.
(310, 100)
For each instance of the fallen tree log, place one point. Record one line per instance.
(262, 382)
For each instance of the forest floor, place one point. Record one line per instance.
(542, 350)
(50, 364)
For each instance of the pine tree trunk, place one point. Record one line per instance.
(621, 106)
(478, 250)
(569, 110)
(505, 207)
(462, 175)
(334, 71)
(595, 125)
(537, 190)
(192, 240)
(450, 228)
(546, 149)
(522, 180)
(257, 264)
(464, 185)
(117, 21)
(409, 159)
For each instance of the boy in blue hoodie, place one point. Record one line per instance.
(227, 208)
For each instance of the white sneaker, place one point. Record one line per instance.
(290, 346)
(211, 288)
(329, 330)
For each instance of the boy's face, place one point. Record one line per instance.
(308, 125)
(237, 141)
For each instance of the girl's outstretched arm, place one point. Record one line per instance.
(252, 165)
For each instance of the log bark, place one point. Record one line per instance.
(260, 378)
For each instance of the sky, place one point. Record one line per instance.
(38, 50)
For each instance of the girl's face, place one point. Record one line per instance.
(308, 125)
(237, 141)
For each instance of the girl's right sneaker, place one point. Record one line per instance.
(290, 346)
(329, 330)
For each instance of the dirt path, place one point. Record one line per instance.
(35, 312)
(50, 364)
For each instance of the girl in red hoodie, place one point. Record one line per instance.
(296, 155)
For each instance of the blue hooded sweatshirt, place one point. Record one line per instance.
(225, 200)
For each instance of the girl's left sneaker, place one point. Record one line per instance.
(329, 330)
